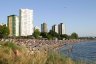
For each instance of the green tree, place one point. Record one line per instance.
(44, 34)
(49, 37)
(53, 34)
(59, 37)
(64, 36)
(74, 36)
(4, 32)
(36, 33)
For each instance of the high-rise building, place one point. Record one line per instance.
(44, 27)
(55, 28)
(13, 25)
(26, 22)
(61, 29)
(41, 27)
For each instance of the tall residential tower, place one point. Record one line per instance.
(61, 28)
(13, 25)
(55, 28)
(44, 27)
(26, 22)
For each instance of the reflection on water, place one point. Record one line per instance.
(81, 51)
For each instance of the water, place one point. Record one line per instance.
(81, 51)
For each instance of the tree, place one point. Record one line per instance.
(49, 37)
(44, 34)
(4, 32)
(53, 34)
(74, 36)
(36, 33)
(64, 36)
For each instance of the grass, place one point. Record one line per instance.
(10, 53)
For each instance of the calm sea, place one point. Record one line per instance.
(85, 51)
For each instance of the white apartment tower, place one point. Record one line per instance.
(26, 22)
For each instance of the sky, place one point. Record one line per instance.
(78, 15)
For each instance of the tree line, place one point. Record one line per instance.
(4, 32)
(53, 35)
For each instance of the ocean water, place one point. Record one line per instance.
(85, 51)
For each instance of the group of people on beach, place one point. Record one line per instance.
(34, 44)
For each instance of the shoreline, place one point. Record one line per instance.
(36, 44)
(44, 46)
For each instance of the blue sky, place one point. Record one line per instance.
(78, 15)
